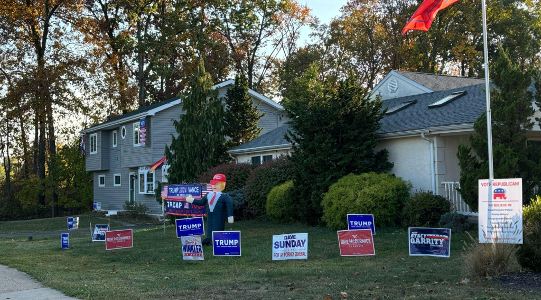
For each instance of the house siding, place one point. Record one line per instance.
(95, 162)
(411, 158)
(404, 89)
(272, 118)
(136, 156)
(162, 129)
(247, 158)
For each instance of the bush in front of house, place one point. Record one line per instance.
(379, 194)
(239, 205)
(424, 209)
(529, 253)
(260, 183)
(281, 204)
(456, 222)
(235, 174)
(135, 209)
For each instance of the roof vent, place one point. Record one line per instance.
(447, 99)
(400, 107)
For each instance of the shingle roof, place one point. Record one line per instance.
(464, 110)
(437, 82)
(135, 112)
(269, 139)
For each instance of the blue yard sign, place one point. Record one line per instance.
(99, 232)
(190, 226)
(429, 241)
(73, 223)
(357, 221)
(65, 240)
(226, 243)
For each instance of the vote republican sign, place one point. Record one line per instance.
(118, 239)
(356, 242)
(190, 226)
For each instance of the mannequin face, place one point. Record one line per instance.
(218, 187)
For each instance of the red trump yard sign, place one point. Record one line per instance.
(356, 242)
(118, 239)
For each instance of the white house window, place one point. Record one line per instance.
(115, 139)
(136, 134)
(93, 143)
(123, 132)
(101, 180)
(146, 181)
(165, 172)
(117, 180)
(257, 160)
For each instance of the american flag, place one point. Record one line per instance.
(83, 145)
(142, 131)
(205, 189)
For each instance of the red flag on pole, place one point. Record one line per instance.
(425, 14)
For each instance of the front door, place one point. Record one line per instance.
(133, 181)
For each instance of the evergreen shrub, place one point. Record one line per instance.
(456, 222)
(239, 205)
(379, 194)
(280, 203)
(424, 209)
(236, 175)
(261, 181)
(529, 253)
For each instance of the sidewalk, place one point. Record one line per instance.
(16, 285)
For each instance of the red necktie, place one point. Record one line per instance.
(212, 200)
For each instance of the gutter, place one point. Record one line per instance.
(433, 175)
(262, 149)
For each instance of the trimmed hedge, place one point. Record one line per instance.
(236, 175)
(529, 253)
(281, 204)
(456, 222)
(379, 194)
(260, 183)
(424, 209)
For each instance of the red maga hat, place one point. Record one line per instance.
(217, 178)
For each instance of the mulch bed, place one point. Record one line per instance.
(521, 281)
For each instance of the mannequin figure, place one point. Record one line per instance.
(219, 204)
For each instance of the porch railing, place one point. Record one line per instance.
(451, 193)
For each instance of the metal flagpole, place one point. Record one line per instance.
(487, 88)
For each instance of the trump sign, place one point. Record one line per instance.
(118, 239)
(190, 226)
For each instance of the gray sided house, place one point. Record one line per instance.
(120, 160)
(428, 116)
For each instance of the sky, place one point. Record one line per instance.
(324, 10)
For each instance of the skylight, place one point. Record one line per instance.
(400, 106)
(447, 99)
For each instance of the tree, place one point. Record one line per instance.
(241, 116)
(200, 143)
(333, 134)
(513, 156)
(256, 31)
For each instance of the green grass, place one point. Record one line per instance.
(53, 224)
(154, 268)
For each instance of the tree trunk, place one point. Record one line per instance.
(52, 154)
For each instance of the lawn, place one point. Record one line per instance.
(53, 224)
(154, 268)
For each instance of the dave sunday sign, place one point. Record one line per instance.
(118, 239)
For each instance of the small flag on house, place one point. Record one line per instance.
(158, 164)
(83, 145)
(142, 131)
(425, 14)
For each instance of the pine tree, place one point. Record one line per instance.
(200, 143)
(333, 134)
(241, 116)
(513, 155)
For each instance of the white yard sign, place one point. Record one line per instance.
(500, 211)
(290, 246)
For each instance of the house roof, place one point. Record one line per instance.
(437, 82)
(272, 140)
(149, 110)
(152, 109)
(456, 115)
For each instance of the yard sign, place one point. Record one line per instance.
(500, 211)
